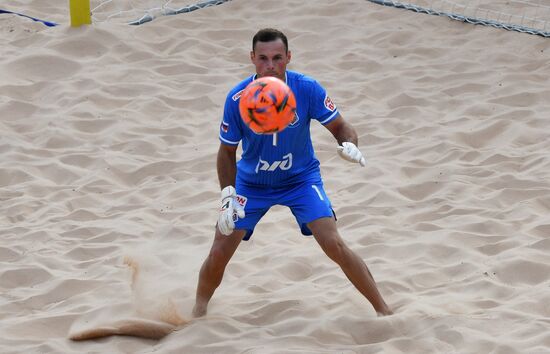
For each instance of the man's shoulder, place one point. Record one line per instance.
(298, 76)
(302, 81)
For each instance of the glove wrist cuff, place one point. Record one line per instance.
(227, 192)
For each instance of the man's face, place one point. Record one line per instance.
(270, 58)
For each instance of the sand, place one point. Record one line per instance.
(108, 141)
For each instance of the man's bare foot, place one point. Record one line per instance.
(199, 310)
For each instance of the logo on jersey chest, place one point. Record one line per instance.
(284, 164)
(236, 96)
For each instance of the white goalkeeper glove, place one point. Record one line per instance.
(348, 151)
(230, 211)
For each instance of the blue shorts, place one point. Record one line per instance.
(307, 202)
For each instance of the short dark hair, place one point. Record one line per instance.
(269, 35)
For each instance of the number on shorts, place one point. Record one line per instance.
(318, 191)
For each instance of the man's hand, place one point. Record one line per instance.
(230, 210)
(348, 151)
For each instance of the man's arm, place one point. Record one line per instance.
(227, 165)
(342, 131)
(346, 136)
(230, 209)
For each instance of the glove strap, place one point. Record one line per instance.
(227, 194)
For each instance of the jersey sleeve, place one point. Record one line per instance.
(231, 125)
(322, 107)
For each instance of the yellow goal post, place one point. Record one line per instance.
(80, 12)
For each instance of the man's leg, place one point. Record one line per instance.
(212, 269)
(325, 232)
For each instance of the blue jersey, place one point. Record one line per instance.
(284, 158)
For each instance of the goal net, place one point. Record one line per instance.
(136, 12)
(529, 16)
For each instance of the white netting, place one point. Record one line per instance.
(142, 11)
(531, 16)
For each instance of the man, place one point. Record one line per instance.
(280, 169)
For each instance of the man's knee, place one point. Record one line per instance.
(222, 249)
(217, 258)
(220, 254)
(335, 248)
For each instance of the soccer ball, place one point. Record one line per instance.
(267, 105)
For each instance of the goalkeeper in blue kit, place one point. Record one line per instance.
(280, 169)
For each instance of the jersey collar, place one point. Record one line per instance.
(286, 77)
